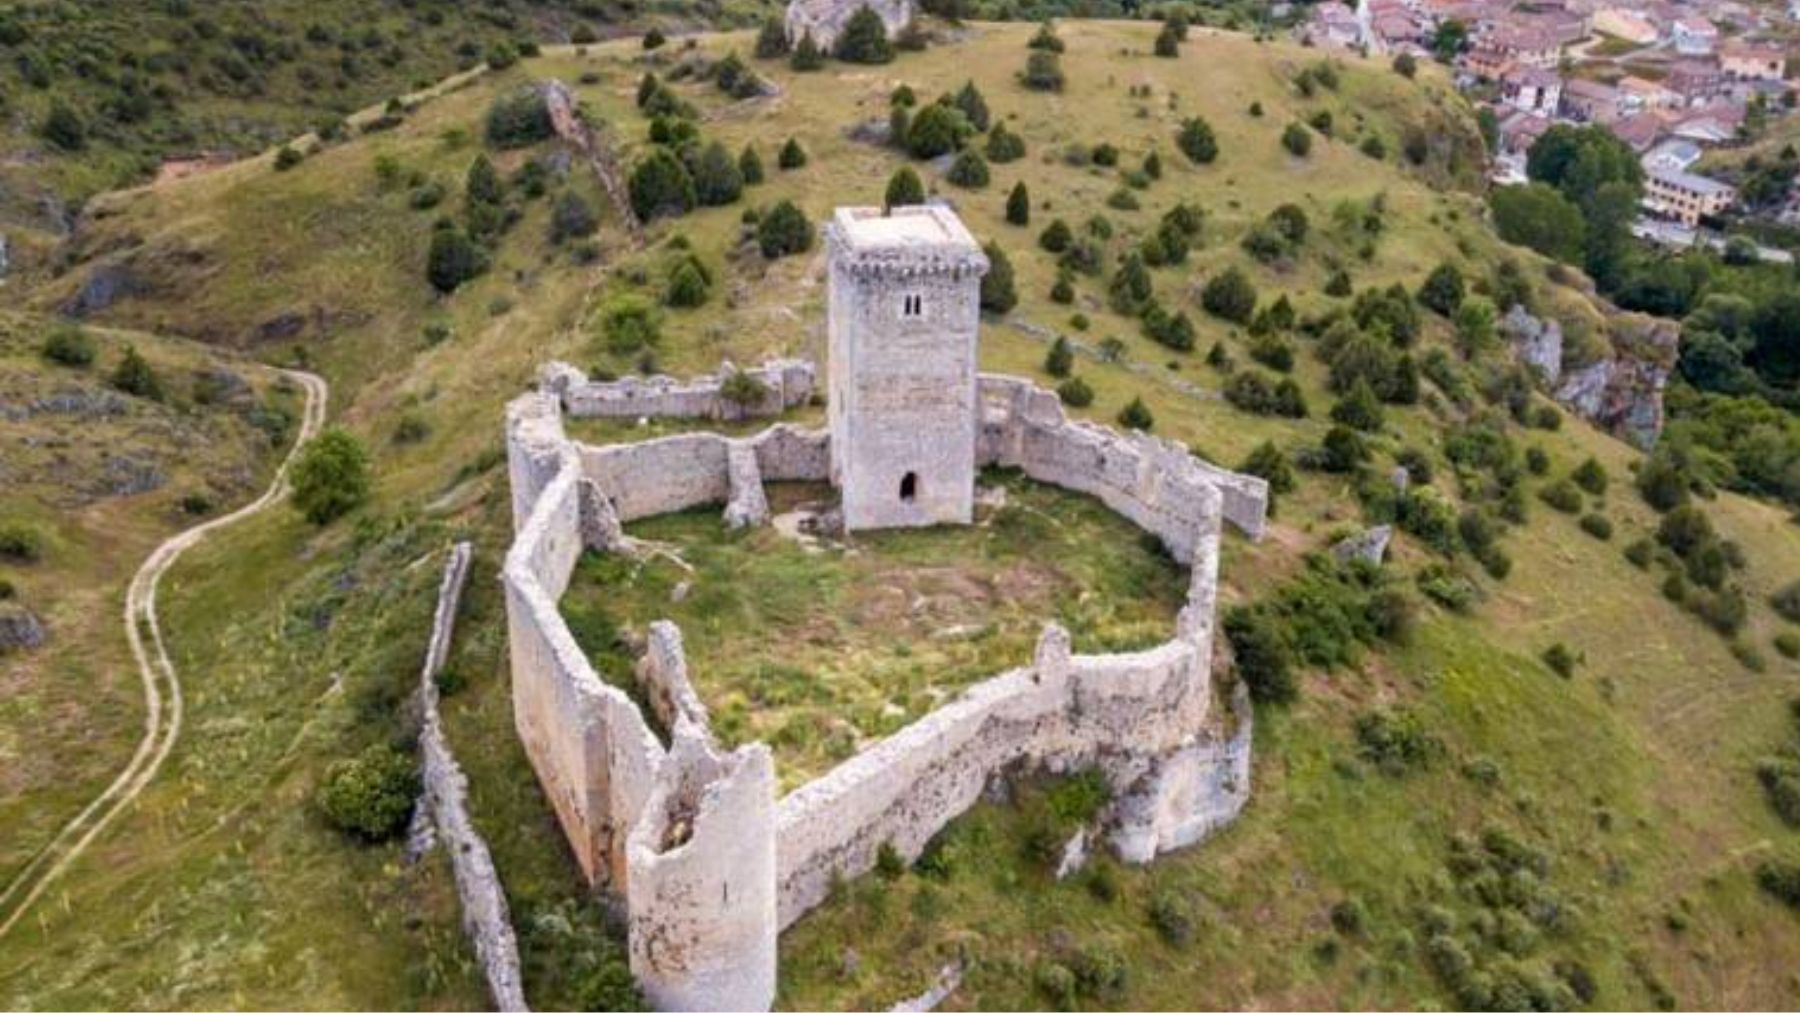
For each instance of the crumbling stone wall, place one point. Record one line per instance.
(485, 917)
(708, 864)
(788, 383)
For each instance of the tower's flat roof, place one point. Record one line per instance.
(921, 228)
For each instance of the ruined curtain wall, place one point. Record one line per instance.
(788, 383)
(591, 747)
(1154, 483)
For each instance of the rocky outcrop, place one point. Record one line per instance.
(1537, 341)
(20, 630)
(1369, 546)
(824, 20)
(1622, 392)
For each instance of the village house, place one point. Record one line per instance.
(1531, 89)
(1334, 25)
(1671, 156)
(1695, 81)
(1685, 197)
(1694, 36)
(1641, 95)
(1753, 61)
(1626, 24)
(1639, 131)
(1587, 101)
(1529, 47)
(1520, 131)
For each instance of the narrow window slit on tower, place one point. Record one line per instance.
(912, 305)
(909, 487)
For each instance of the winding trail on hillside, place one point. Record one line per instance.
(162, 686)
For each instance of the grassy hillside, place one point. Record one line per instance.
(1631, 781)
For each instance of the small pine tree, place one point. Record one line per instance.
(654, 39)
(1168, 42)
(1018, 205)
(1359, 409)
(1003, 145)
(454, 258)
(784, 230)
(717, 180)
(688, 285)
(1197, 142)
(792, 155)
(1443, 290)
(571, 218)
(750, 165)
(134, 376)
(1060, 360)
(1230, 296)
(1297, 140)
(903, 188)
(969, 170)
(807, 55)
(660, 186)
(998, 293)
(1063, 291)
(864, 39)
(973, 105)
(1136, 415)
(1153, 166)
(1043, 71)
(772, 41)
(64, 127)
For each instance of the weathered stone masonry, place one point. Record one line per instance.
(709, 865)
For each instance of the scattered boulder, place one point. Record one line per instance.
(1369, 546)
(20, 630)
(280, 327)
(1400, 478)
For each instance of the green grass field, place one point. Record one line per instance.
(222, 887)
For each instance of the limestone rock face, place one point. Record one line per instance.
(825, 19)
(1537, 341)
(1623, 394)
(1369, 546)
(19, 629)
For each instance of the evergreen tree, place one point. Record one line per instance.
(1359, 409)
(1018, 205)
(1153, 166)
(784, 230)
(1043, 71)
(1197, 142)
(807, 54)
(64, 127)
(998, 294)
(1443, 289)
(792, 155)
(974, 107)
(1168, 42)
(1297, 139)
(134, 376)
(864, 39)
(1136, 415)
(1060, 360)
(1230, 296)
(1130, 290)
(661, 186)
(969, 170)
(688, 285)
(571, 218)
(904, 188)
(750, 165)
(454, 258)
(772, 41)
(937, 129)
(1003, 145)
(717, 180)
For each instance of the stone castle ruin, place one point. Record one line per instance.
(690, 840)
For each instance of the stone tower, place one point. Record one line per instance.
(904, 309)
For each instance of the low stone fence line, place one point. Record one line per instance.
(485, 917)
(576, 133)
(709, 864)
